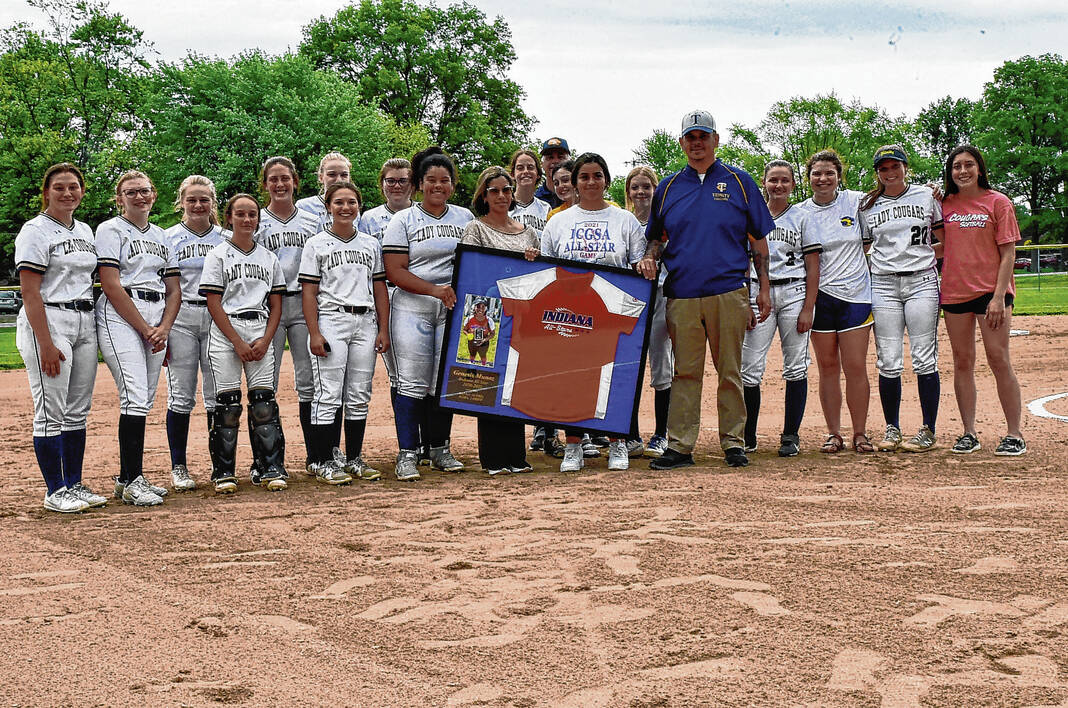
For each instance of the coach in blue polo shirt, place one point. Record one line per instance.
(705, 219)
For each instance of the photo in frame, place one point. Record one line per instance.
(568, 341)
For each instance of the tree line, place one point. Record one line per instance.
(382, 78)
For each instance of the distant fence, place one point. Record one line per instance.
(1030, 260)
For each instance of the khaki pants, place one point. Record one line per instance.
(721, 321)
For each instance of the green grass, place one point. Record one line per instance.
(1052, 299)
(9, 355)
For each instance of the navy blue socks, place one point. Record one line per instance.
(930, 389)
(177, 436)
(796, 398)
(131, 447)
(73, 443)
(49, 451)
(890, 397)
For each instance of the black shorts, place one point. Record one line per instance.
(976, 306)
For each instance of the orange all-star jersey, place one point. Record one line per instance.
(565, 330)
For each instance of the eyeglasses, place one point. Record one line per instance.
(507, 189)
(143, 192)
(397, 182)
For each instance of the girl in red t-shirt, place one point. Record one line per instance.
(977, 286)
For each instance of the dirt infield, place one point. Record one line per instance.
(895, 580)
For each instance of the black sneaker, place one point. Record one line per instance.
(600, 441)
(789, 446)
(671, 460)
(538, 441)
(554, 448)
(1011, 445)
(966, 444)
(736, 457)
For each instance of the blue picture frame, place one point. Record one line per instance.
(562, 340)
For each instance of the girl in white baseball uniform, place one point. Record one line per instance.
(593, 231)
(283, 231)
(187, 348)
(501, 443)
(525, 168)
(333, 168)
(346, 307)
(55, 333)
(638, 191)
(904, 224)
(244, 285)
(142, 294)
(395, 185)
(419, 248)
(794, 271)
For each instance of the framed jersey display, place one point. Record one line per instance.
(549, 340)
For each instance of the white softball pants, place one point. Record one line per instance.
(226, 365)
(295, 329)
(417, 326)
(661, 355)
(900, 303)
(786, 303)
(133, 364)
(343, 376)
(188, 348)
(60, 402)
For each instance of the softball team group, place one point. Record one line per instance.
(343, 286)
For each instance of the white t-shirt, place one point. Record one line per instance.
(609, 236)
(901, 231)
(345, 269)
(64, 257)
(429, 241)
(244, 279)
(835, 229)
(144, 258)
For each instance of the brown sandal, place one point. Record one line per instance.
(864, 445)
(833, 444)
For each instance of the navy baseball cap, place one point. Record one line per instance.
(555, 144)
(698, 120)
(890, 152)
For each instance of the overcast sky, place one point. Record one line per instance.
(604, 75)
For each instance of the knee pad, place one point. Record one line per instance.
(262, 408)
(227, 409)
(268, 442)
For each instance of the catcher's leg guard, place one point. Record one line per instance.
(268, 445)
(222, 440)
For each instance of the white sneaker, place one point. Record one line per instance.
(923, 441)
(120, 486)
(657, 446)
(407, 469)
(635, 448)
(617, 455)
(494, 473)
(331, 473)
(589, 447)
(441, 459)
(139, 493)
(573, 460)
(64, 502)
(80, 491)
(891, 439)
(181, 480)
